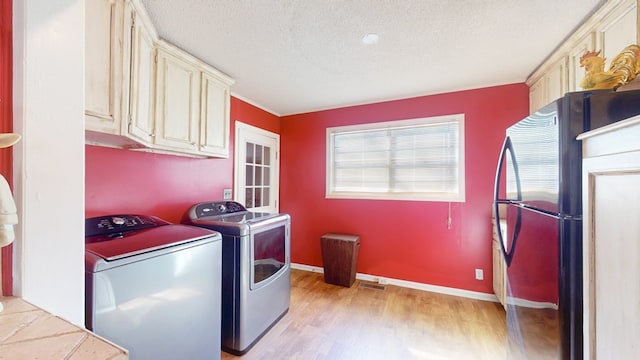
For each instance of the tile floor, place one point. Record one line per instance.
(27, 332)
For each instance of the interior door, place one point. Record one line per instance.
(257, 168)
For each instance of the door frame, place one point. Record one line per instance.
(247, 133)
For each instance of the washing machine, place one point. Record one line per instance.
(256, 269)
(153, 287)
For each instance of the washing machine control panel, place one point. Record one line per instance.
(218, 208)
(119, 224)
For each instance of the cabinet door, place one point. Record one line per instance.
(577, 72)
(617, 250)
(142, 76)
(214, 117)
(103, 65)
(556, 80)
(178, 99)
(537, 95)
(551, 85)
(610, 29)
(499, 273)
(615, 270)
(499, 266)
(618, 30)
(611, 251)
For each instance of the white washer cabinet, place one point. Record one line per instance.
(611, 251)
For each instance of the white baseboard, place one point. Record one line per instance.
(531, 304)
(408, 284)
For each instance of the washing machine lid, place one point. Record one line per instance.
(121, 236)
(245, 217)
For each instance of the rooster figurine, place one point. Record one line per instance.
(623, 69)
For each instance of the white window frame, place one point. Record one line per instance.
(454, 196)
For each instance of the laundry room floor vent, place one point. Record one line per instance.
(372, 286)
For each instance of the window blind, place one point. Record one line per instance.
(420, 158)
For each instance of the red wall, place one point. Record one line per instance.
(126, 181)
(406, 240)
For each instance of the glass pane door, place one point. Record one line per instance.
(258, 175)
(257, 168)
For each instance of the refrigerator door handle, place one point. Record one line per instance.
(507, 147)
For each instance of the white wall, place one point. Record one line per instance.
(49, 160)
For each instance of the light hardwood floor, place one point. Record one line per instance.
(333, 322)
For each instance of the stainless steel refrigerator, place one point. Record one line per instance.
(538, 205)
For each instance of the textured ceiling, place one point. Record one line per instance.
(296, 56)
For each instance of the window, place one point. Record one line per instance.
(416, 159)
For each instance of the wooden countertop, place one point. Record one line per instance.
(28, 332)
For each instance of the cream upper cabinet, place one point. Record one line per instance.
(192, 104)
(119, 74)
(214, 116)
(617, 30)
(577, 72)
(550, 86)
(104, 59)
(177, 100)
(537, 94)
(142, 92)
(611, 246)
(142, 37)
(610, 29)
(557, 80)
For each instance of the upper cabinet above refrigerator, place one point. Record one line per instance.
(609, 29)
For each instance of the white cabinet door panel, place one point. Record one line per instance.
(577, 72)
(178, 89)
(103, 65)
(616, 265)
(214, 117)
(557, 80)
(611, 246)
(142, 82)
(617, 32)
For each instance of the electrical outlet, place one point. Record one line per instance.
(479, 274)
(226, 194)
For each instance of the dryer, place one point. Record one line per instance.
(256, 269)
